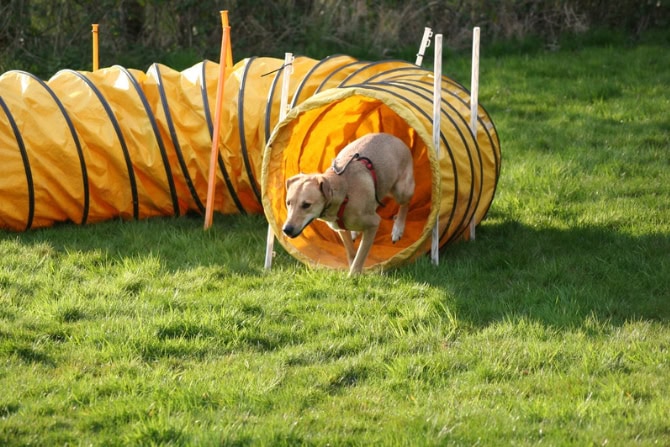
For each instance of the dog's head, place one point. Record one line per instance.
(307, 195)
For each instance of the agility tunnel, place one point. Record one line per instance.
(84, 147)
(337, 103)
(91, 146)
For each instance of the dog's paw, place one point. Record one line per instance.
(397, 232)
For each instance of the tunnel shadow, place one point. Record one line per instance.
(558, 277)
(233, 243)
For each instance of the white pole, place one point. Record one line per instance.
(288, 71)
(437, 110)
(425, 43)
(283, 110)
(474, 103)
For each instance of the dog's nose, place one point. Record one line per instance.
(289, 230)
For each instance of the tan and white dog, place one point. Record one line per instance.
(347, 195)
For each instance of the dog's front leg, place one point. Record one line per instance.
(348, 242)
(363, 249)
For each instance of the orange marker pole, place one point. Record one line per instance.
(225, 42)
(94, 31)
(229, 57)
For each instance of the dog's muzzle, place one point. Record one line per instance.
(291, 231)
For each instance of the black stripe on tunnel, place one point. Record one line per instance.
(26, 163)
(210, 127)
(175, 140)
(305, 78)
(333, 73)
(159, 140)
(243, 138)
(366, 66)
(269, 102)
(77, 144)
(119, 135)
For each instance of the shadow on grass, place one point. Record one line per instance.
(560, 277)
(234, 243)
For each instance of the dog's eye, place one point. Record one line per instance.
(305, 205)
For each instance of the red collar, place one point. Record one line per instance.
(340, 214)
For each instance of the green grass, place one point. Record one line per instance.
(551, 328)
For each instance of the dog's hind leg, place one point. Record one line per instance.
(348, 242)
(399, 224)
(402, 192)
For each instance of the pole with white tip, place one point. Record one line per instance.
(437, 110)
(283, 110)
(474, 102)
(425, 43)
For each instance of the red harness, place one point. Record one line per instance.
(340, 213)
(368, 164)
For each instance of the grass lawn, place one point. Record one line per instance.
(552, 328)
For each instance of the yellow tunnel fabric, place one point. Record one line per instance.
(84, 147)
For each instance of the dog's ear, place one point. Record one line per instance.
(292, 180)
(326, 190)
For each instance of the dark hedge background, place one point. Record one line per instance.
(43, 36)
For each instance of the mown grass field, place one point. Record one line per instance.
(552, 328)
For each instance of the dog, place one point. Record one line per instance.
(347, 195)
